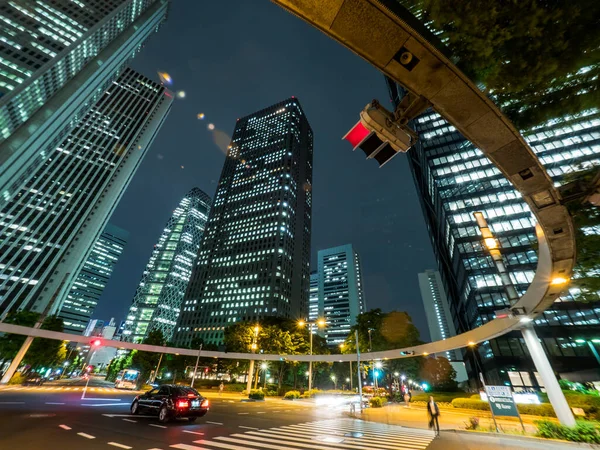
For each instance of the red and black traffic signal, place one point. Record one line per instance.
(379, 134)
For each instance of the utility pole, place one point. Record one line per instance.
(253, 347)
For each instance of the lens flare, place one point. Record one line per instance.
(211, 126)
(165, 78)
(200, 116)
(180, 94)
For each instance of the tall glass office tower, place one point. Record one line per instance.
(313, 297)
(157, 301)
(255, 257)
(340, 294)
(82, 299)
(57, 57)
(454, 180)
(49, 226)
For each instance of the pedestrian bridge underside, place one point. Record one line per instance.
(378, 31)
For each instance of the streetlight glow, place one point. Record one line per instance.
(301, 323)
(321, 322)
(558, 280)
(264, 366)
(378, 364)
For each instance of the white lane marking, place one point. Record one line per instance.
(155, 449)
(126, 415)
(229, 446)
(104, 399)
(193, 432)
(214, 423)
(261, 412)
(64, 427)
(105, 404)
(185, 447)
(11, 403)
(248, 428)
(157, 426)
(87, 436)
(277, 411)
(129, 420)
(243, 414)
(54, 403)
(116, 444)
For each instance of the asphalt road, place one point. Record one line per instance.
(56, 417)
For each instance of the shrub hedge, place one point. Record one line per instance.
(440, 396)
(17, 378)
(582, 432)
(377, 402)
(291, 395)
(256, 394)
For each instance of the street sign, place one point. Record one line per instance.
(501, 401)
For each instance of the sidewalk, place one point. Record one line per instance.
(416, 417)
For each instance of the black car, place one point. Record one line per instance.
(171, 401)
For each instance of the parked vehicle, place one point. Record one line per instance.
(127, 379)
(171, 401)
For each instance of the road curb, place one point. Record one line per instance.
(524, 438)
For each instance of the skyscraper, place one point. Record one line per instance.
(340, 295)
(254, 260)
(47, 229)
(82, 299)
(57, 57)
(313, 297)
(438, 316)
(454, 180)
(157, 301)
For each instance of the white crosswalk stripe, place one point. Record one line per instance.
(335, 434)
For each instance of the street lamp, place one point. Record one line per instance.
(319, 323)
(333, 378)
(377, 365)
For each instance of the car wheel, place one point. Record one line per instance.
(192, 419)
(135, 408)
(163, 414)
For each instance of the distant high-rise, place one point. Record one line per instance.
(439, 320)
(157, 301)
(341, 295)
(57, 57)
(48, 228)
(82, 299)
(254, 260)
(313, 297)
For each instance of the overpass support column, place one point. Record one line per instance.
(16, 362)
(555, 394)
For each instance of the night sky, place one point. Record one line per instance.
(233, 58)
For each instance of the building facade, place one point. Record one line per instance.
(157, 301)
(255, 257)
(454, 179)
(49, 227)
(57, 58)
(341, 295)
(439, 320)
(82, 299)
(313, 297)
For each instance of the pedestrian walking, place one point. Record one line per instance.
(433, 411)
(221, 386)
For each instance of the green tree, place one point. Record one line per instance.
(47, 352)
(146, 362)
(539, 59)
(11, 343)
(439, 374)
(388, 331)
